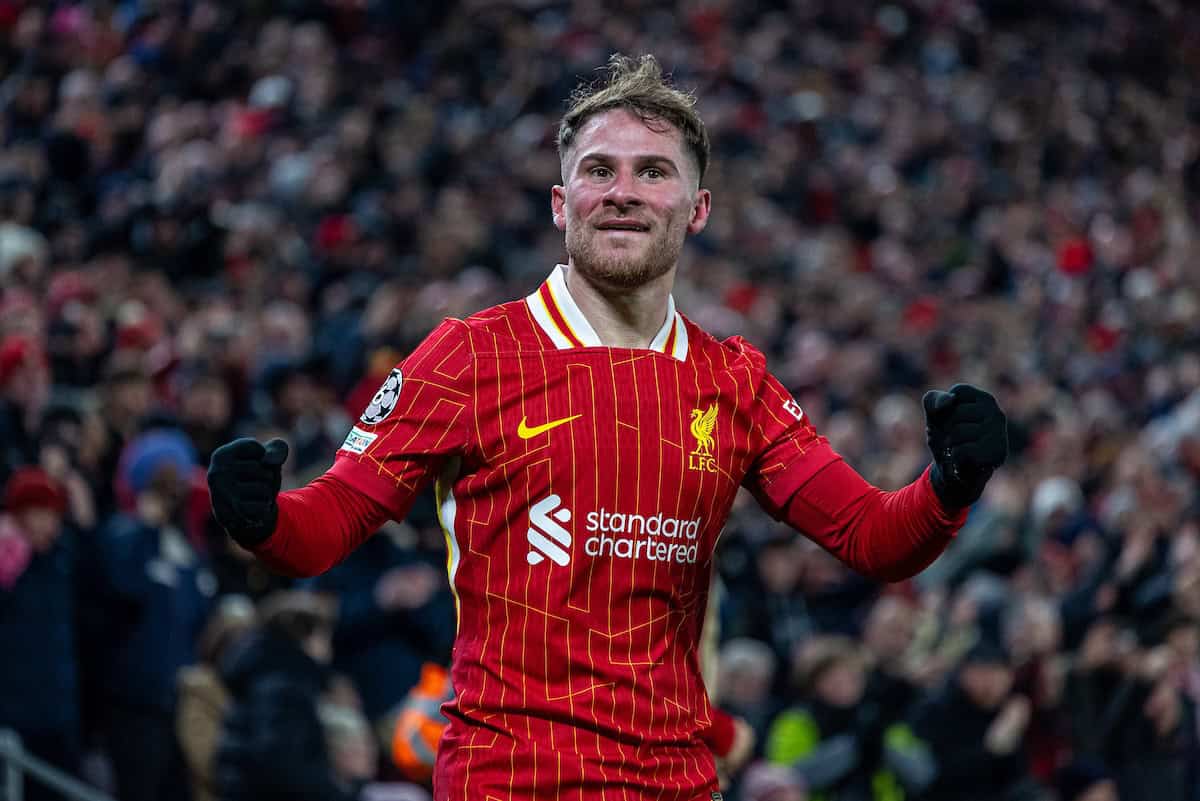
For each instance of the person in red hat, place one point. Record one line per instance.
(38, 674)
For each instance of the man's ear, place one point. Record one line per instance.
(558, 206)
(700, 209)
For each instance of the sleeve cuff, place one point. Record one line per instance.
(719, 734)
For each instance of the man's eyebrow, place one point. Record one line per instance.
(648, 158)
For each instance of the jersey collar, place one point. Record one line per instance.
(556, 314)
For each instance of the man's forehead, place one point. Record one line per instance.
(620, 132)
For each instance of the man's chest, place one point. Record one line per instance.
(643, 427)
(598, 477)
(592, 459)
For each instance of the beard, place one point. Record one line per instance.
(624, 268)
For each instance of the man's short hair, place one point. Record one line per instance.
(638, 86)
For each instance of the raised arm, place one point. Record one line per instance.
(886, 535)
(415, 424)
(301, 532)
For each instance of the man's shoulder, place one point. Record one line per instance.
(484, 330)
(505, 327)
(733, 352)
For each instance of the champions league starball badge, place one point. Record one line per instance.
(385, 399)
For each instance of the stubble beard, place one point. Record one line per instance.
(624, 269)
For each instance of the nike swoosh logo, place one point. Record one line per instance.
(525, 432)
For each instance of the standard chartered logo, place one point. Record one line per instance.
(657, 538)
(546, 537)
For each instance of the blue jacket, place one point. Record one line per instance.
(39, 680)
(156, 593)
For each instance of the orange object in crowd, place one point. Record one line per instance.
(421, 722)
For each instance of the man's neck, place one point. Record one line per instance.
(622, 318)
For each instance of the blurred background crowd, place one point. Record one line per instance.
(233, 218)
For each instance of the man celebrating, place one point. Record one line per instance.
(587, 443)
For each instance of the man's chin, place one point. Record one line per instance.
(622, 262)
(627, 273)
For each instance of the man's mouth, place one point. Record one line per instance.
(623, 225)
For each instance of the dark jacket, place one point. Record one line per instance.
(39, 682)
(154, 594)
(1106, 710)
(383, 651)
(18, 446)
(272, 746)
(954, 729)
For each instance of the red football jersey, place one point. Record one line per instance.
(582, 489)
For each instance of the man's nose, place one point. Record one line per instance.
(623, 191)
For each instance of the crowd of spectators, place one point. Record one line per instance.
(222, 219)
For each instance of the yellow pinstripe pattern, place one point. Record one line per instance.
(608, 667)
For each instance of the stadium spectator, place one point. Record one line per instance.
(203, 697)
(277, 678)
(845, 745)
(894, 678)
(394, 614)
(148, 595)
(908, 193)
(748, 669)
(1127, 711)
(976, 730)
(39, 680)
(24, 393)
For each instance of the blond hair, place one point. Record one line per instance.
(637, 85)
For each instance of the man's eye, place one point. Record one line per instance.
(653, 173)
(600, 172)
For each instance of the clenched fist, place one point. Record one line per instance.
(243, 479)
(968, 436)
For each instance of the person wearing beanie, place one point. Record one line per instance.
(150, 595)
(39, 677)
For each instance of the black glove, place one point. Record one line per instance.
(243, 480)
(968, 436)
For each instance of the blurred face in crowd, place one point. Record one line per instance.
(319, 645)
(629, 198)
(842, 684)
(746, 677)
(207, 404)
(41, 527)
(129, 397)
(1185, 642)
(1100, 791)
(889, 629)
(780, 565)
(29, 386)
(987, 684)
(1036, 630)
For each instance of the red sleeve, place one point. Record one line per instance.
(319, 525)
(422, 416)
(417, 420)
(890, 536)
(719, 734)
(800, 479)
